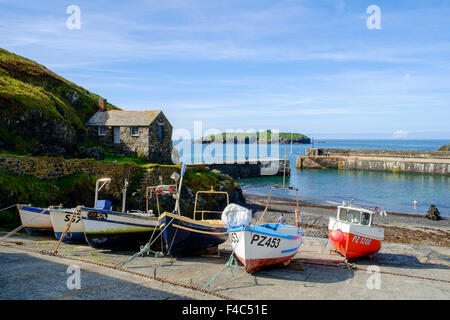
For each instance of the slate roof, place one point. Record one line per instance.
(123, 118)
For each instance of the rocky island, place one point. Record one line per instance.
(257, 137)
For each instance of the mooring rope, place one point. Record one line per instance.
(14, 205)
(146, 248)
(76, 211)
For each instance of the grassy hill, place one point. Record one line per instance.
(38, 106)
(264, 137)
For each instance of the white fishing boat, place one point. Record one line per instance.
(262, 244)
(108, 229)
(60, 218)
(36, 220)
(257, 246)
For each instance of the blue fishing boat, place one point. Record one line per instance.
(190, 236)
(185, 236)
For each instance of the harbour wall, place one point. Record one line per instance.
(404, 161)
(54, 168)
(250, 168)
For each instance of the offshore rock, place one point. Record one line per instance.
(433, 213)
(445, 147)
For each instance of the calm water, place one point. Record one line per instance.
(393, 192)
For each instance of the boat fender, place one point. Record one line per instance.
(337, 235)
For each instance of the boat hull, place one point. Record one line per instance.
(185, 237)
(353, 241)
(60, 218)
(37, 220)
(265, 245)
(104, 229)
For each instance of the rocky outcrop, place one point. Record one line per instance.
(445, 147)
(433, 213)
(33, 124)
(39, 107)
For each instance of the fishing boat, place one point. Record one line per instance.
(36, 220)
(263, 244)
(60, 218)
(352, 232)
(108, 229)
(257, 246)
(186, 236)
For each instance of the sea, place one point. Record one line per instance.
(392, 192)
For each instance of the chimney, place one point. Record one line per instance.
(101, 105)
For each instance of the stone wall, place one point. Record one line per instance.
(424, 165)
(160, 150)
(395, 166)
(384, 153)
(53, 168)
(129, 145)
(139, 178)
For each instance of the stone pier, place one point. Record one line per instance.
(405, 161)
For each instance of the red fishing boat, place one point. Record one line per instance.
(352, 233)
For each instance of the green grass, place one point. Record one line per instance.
(26, 85)
(137, 161)
(70, 191)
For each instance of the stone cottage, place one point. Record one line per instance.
(136, 133)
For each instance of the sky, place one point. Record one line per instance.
(312, 67)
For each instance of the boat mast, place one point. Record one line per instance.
(291, 142)
(284, 169)
(177, 203)
(124, 196)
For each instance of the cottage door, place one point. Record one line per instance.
(116, 134)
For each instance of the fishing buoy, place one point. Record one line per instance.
(415, 204)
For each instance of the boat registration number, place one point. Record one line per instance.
(361, 240)
(264, 241)
(67, 218)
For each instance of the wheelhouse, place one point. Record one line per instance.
(355, 216)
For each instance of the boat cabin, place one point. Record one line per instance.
(353, 215)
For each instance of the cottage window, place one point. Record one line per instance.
(160, 131)
(135, 131)
(102, 131)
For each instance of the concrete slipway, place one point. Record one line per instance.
(27, 274)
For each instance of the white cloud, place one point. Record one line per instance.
(400, 134)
